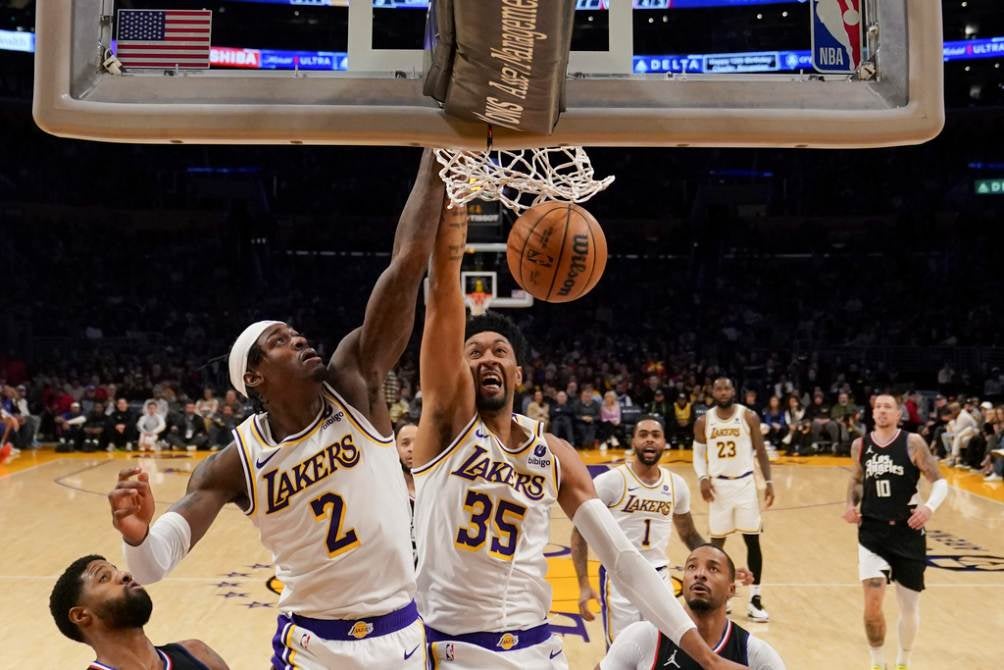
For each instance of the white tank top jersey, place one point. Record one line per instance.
(645, 511)
(331, 504)
(730, 447)
(482, 519)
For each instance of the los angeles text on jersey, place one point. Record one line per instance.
(880, 465)
(636, 504)
(283, 485)
(481, 466)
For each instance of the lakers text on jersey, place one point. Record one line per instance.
(482, 521)
(330, 502)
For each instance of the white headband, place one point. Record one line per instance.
(239, 353)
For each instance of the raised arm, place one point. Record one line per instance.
(445, 378)
(927, 462)
(365, 355)
(632, 573)
(151, 551)
(855, 487)
(753, 421)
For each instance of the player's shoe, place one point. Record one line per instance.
(755, 610)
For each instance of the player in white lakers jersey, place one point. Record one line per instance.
(486, 480)
(317, 473)
(724, 442)
(647, 500)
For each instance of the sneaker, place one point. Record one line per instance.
(960, 466)
(993, 477)
(755, 610)
(128, 446)
(110, 448)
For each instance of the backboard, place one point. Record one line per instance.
(362, 90)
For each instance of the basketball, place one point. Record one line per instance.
(556, 251)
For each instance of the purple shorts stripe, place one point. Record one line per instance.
(279, 650)
(519, 639)
(335, 629)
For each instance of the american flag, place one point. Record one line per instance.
(164, 38)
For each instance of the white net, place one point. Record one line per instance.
(478, 303)
(520, 179)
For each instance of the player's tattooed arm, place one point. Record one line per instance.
(218, 480)
(855, 487)
(687, 531)
(923, 458)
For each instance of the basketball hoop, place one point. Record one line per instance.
(520, 178)
(478, 302)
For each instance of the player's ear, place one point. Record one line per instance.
(519, 375)
(80, 616)
(253, 378)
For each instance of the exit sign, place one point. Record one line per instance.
(990, 187)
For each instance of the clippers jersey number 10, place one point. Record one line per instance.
(502, 515)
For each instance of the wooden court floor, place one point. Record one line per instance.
(53, 510)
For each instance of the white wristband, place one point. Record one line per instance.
(632, 573)
(168, 542)
(939, 490)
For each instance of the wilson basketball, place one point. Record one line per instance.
(557, 251)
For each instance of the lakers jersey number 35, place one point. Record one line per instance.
(330, 503)
(482, 518)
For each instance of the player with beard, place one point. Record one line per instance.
(486, 480)
(105, 608)
(405, 452)
(647, 500)
(725, 440)
(708, 583)
(316, 472)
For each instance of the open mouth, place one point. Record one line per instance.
(308, 354)
(700, 589)
(491, 381)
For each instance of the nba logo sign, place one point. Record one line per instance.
(837, 34)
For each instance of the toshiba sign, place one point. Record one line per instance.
(239, 58)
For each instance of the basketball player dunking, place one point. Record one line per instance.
(318, 474)
(725, 440)
(486, 480)
(647, 500)
(708, 582)
(891, 544)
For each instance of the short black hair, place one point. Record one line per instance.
(495, 322)
(649, 417)
(66, 595)
(728, 559)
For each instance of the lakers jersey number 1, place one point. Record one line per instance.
(482, 519)
(331, 504)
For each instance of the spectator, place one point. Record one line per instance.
(610, 421)
(682, 425)
(841, 414)
(659, 406)
(399, 408)
(208, 405)
(160, 400)
(960, 430)
(587, 414)
(221, 427)
(149, 426)
(563, 418)
(538, 410)
(239, 409)
(188, 431)
(799, 427)
(71, 429)
(772, 423)
(119, 427)
(94, 428)
(819, 414)
(27, 435)
(751, 402)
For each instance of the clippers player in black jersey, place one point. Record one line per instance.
(96, 603)
(887, 464)
(709, 577)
